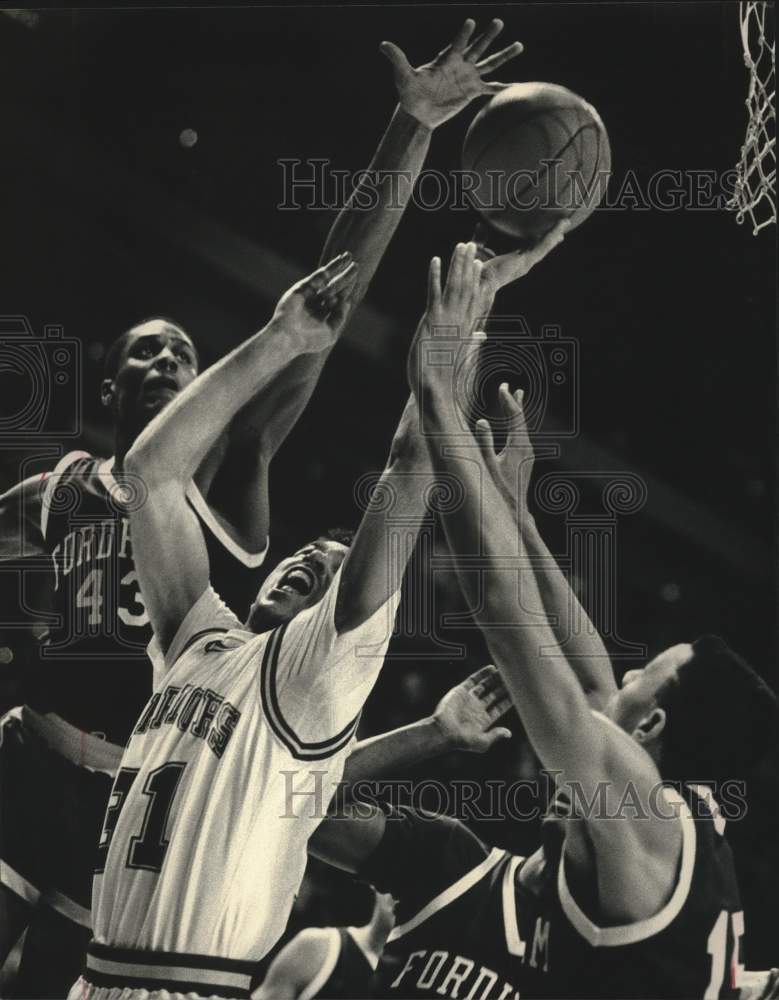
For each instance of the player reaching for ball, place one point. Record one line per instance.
(204, 842)
(88, 690)
(633, 892)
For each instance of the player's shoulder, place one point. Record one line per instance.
(81, 470)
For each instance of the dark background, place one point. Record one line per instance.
(107, 219)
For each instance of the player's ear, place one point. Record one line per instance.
(107, 391)
(650, 727)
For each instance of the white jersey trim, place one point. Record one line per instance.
(19, 885)
(51, 482)
(250, 559)
(448, 896)
(514, 943)
(607, 937)
(326, 969)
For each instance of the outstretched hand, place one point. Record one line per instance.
(315, 309)
(449, 321)
(512, 467)
(467, 713)
(438, 90)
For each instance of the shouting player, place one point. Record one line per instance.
(204, 841)
(94, 678)
(633, 892)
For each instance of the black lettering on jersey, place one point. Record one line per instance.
(211, 702)
(188, 711)
(168, 695)
(177, 706)
(224, 728)
(148, 712)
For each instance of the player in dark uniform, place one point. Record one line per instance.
(83, 704)
(330, 963)
(633, 892)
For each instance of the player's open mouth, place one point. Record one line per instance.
(297, 580)
(160, 385)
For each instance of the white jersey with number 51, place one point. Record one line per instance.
(228, 772)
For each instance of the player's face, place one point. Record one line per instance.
(297, 583)
(158, 360)
(638, 694)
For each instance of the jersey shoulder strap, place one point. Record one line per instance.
(449, 895)
(64, 470)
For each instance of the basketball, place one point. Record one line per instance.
(539, 153)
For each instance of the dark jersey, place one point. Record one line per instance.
(490, 925)
(93, 669)
(346, 974)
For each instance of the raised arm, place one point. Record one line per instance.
(637, 852)
(375, 564)
(428, 96)
(168, 546)
(511, 469)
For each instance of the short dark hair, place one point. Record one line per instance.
(344, 536)
(721, 717)
(114, 353)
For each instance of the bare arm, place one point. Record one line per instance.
(169, 550)
(374, 567)
(296, 965)
(429, 95)
(638, 855)
(511, 469)
(464, 719)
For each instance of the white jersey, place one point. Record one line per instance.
(227, 774)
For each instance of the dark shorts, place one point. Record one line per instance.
(51, 815)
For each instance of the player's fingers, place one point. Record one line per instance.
(497, 734)
(397, 57)
(490, 690)
(463, 36)
(483, 433)
(342, 278)
(321, 277)
(434, 283)
(499, 706)
(484, 40)
(477, 267)
(478, 676)
(454, 276)
(510, 408)
(467, 285)
(497, 59)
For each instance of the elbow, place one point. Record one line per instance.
(144, 463)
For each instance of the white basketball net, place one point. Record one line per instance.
(755, 188)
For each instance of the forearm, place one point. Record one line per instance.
(366, 224)
(570, 623)
(390, 752)
(178, 439)
(543, 689)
